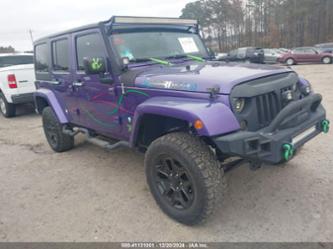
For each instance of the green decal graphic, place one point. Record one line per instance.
(115, 111)
(100, 122)
(325, 125)
(96, 64)
(288, 151)
(121, 99)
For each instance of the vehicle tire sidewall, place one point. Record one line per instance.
(290, 61)
(10, 109)
(4, 103)
(64, 142)
(49, 118)
(200, 193)
(327, 60)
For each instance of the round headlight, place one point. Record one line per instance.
(306, 90)
(239, 104)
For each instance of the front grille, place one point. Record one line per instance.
(264, 99)
(268, 106)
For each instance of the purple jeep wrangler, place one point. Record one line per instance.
(151, 84)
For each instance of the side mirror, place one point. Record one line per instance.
(125, 61)
(94, 66)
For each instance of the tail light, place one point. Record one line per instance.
(12, 81)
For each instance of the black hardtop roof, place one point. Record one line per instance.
(82, 28)
(124, 20)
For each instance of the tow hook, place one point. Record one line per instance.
(325, 126)
(288, 151)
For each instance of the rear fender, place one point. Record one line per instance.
(52, 101)
(216, 116)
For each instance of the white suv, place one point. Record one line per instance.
(17, 81)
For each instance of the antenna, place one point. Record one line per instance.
(31, 36)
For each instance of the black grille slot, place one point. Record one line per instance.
(268, 106)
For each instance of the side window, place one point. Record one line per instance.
(89, 46)
(60, 51)
(310, 51)
(298, 51)
(42, 58)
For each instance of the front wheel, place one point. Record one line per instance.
(58, 141)
(183, 176)
(327, 60)
(8, 110)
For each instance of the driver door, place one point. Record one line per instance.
(97, 105)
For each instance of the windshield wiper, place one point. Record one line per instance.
(167, 63)
(182, 56)
(196, 58)
(163, 62)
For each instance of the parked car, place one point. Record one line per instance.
(247, 55)
(221, 56)
(271, 56)
(306, 55)
(16, 81)
(154, 89)
(283, 50)
(325, 47)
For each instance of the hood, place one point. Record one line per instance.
(200, 77)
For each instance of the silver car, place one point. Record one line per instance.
(271, 56)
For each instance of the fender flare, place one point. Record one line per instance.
(52, 101)
(217, 117)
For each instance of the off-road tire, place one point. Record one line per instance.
(58, 141)
(289, 60)
(8, 110)
(202, 167)
(327, 60)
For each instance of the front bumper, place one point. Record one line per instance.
(23, 98)
(296, 124)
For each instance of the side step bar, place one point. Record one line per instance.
(96, 141)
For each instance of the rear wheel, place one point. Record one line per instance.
(8, 110)
(58, 141)
(327, 60)
(184, 177)
(290, 62)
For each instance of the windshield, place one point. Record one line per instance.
(7, 61)
(145, 45)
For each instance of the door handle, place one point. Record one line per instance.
(111, 90)
(78, 84)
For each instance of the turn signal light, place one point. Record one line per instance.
(198, 125)
(11, 81)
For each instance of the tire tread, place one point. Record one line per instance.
(204, 159)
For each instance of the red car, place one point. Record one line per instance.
(306, 55)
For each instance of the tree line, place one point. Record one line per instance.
(8, 49)
(227, 24)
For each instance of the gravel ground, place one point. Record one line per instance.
(89, 194)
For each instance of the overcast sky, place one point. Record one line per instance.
(44, 17)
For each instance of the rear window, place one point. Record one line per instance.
(42, 58)
(7, 61)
